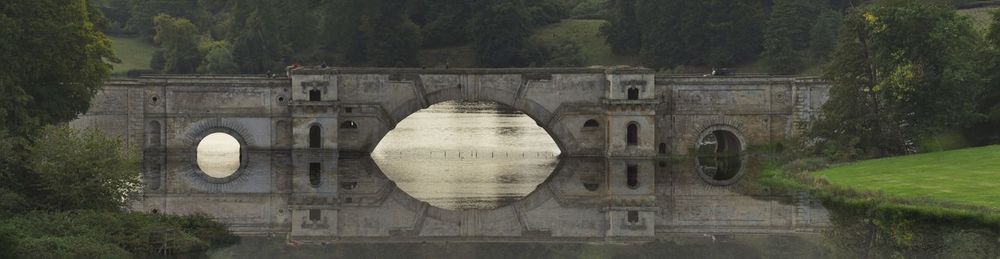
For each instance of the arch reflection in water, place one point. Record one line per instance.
(720, 158)
(467, 155)
(582, 198)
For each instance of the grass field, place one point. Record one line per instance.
(966, 176)
(134, 54)
(585, 34)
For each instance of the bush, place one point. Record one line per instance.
(134, 233)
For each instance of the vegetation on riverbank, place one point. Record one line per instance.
(877, 209)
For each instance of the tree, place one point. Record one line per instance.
(622, 30)
(391, 38)
(499, 33)
(219, 60)
(81, 170)
(179, 39)
(823, 36)
(787, 35)
(258, 43)
(984, 130)
(901, 70)
(49, 77)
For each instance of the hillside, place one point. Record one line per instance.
(134, 54)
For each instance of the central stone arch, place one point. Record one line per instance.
(565, 103)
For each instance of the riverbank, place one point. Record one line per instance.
(933, 204)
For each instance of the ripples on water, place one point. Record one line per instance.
(465, 155)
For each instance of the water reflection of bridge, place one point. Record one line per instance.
(580, 201)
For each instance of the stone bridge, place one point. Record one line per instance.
(304, 141)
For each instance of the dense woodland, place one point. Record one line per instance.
(904, 74)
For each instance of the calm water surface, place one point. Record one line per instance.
(464, 155)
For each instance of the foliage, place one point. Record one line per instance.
(179, 39)
(585, 35)
(219, 61)
(391, 38)
(259, 45)
(788, 34)
(499, 33)
(80, 170)
(984, 130)
(49, 77)
(901, 70)
(94, 234)
(560, 54)
(622, 30)
(135, 54)
(714, 33)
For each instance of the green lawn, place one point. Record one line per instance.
(585, 34)
(966, 176)
(134, 53)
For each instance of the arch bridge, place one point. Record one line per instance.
(294, 132)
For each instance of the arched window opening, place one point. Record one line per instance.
(632, 176)
(633, 216)
(315, 215)
(591, 186)
(633, 93)
(314, 137)
(314, 174)
(349, 125)
(315, 95)
(153, 133)
(632, 134)
(663, 148)
(719, 157)
(591, 124)
(349, 185)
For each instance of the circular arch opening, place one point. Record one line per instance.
(720, 156)
(467, 155)
(219, 155)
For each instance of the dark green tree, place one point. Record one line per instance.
(499, 33)
(341, 30)
(258, 43)
(902, 70)
(179, 39)
(787, 35)
(219, 60)
(823, 36)
(391, 38)
(52, 62)
(622, 31)
(984, 131)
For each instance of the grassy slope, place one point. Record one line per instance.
(134, 53)
(967, 176)
(585, 34)
(980, 16)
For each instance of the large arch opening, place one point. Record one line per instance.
(467, 155)
(720, 156)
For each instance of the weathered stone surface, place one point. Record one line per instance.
(587, 111)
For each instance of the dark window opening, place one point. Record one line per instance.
(349, 185)
(633, 93)
(315, 215)
(591, 124)
(633, 216)
(314, 95)
(314, 174)
(314, 137)
(591, 186)
(348, 109)
(663, 148)
(348, 200)
(632, 176)
(349, 125)
(632, 136)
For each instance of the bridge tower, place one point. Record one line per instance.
(313, 201)
(630, 110)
